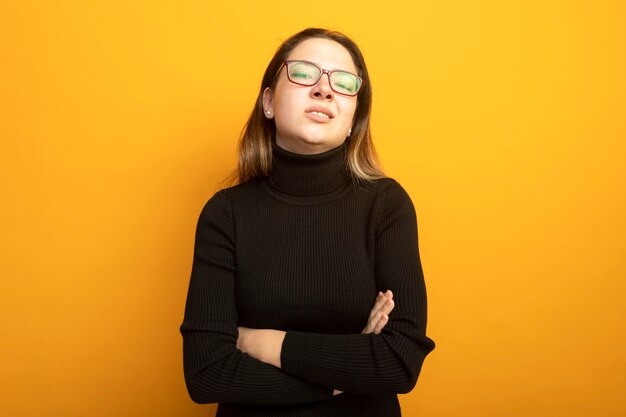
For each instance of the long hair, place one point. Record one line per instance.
(255, 143)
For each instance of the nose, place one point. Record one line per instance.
(322, 89)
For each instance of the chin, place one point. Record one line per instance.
(323, 145)
(310, 144)
(323, 141)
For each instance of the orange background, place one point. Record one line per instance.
(505, 120)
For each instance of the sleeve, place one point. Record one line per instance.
(215, 370)
(368, 363)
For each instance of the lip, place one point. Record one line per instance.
(319, 109)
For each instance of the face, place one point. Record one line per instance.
(312, 119)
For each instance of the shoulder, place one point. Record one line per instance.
(222, 204)
(243, 193)
(393, 204)
(389, 191)
(215, 215)
(226, 197)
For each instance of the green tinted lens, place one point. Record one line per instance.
(303, 73)
(345, 83)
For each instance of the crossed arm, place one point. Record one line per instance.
(266, 344)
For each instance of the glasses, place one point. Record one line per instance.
(307, 73)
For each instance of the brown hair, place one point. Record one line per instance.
(255, 142)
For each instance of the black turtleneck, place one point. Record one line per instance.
(306, 251)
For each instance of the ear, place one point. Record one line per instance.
(268, 103)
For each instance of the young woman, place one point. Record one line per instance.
(289, 262)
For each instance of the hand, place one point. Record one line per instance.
(262, 344)
(379, 316)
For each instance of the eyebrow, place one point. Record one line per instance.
(322, 67)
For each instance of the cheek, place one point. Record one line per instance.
(348, 110)
(286, 103)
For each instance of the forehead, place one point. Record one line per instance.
(326, 53)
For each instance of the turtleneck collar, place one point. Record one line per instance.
(309, 175)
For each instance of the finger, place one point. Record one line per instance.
(384, 305)
(385, 308)
(378, 304)
(381, 299)
(388, 306)
(373, 322)
(381, 324)
(380, 319)
(378, 325)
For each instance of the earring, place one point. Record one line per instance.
(268, 112)
(349, 132)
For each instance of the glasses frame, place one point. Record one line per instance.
(322, 72)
